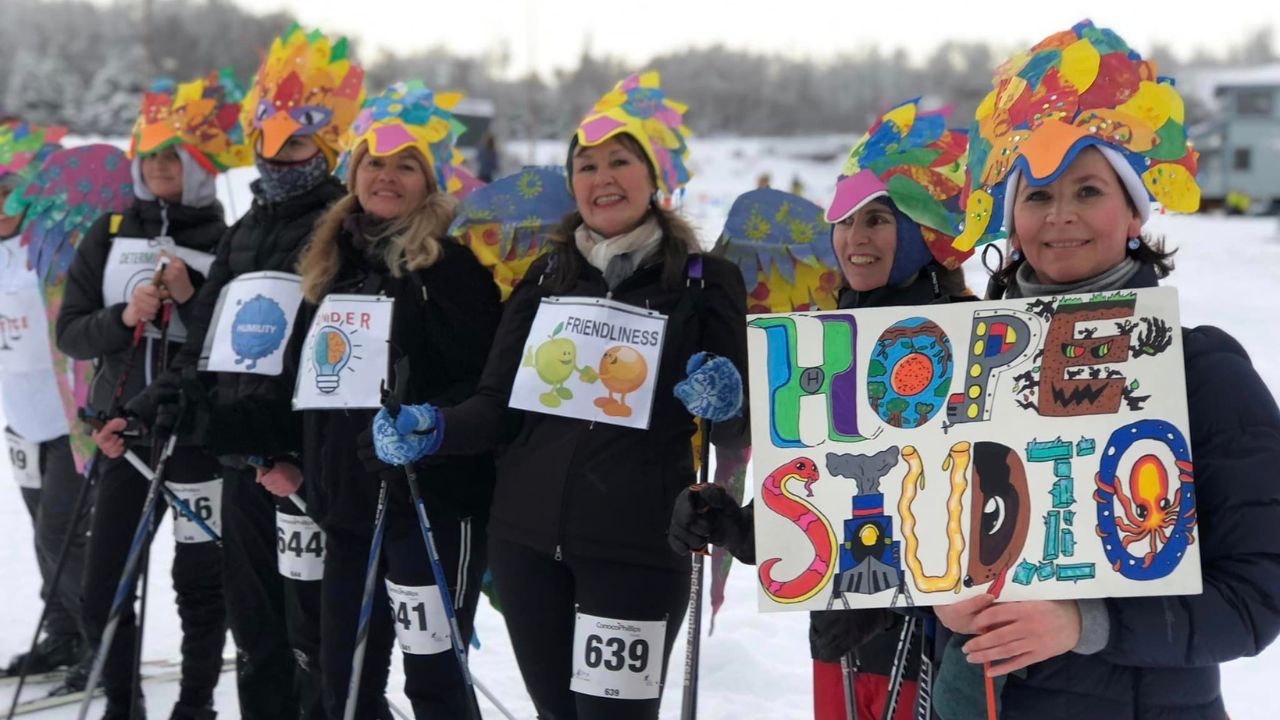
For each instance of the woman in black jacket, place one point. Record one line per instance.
(581, 506)
(887, 258)
(110, 294)
(388, 237)
(1074, 216)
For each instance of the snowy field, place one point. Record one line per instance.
(755, 666)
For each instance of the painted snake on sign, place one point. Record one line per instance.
(806, 517)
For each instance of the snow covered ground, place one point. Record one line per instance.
(756, 665)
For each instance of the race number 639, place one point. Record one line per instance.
(617, 658)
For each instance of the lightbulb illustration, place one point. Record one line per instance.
(332, 351)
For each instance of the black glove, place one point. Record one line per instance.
(835, 633)
(185, 410)
(707, 514)
(146, 405)
(369, 458)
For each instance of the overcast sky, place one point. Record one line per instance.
(549, 34)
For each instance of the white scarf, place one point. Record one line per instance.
(617, 257)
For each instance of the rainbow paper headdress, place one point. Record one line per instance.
(410, 115)
(202, 115)
(306, 86)
(1077, 88)
(24, 148)
(911, 157)
(637, 106)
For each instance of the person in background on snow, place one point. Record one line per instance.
(887, 258)
(487, 158)
(296, 116)
(39, 449)
(580, 506)
(177, 149)
(389, 236)
(1074, 203)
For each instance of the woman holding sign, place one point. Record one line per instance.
(128, 291)
(893, 250)
(1074, 194)
(589, 354)
(385, 285)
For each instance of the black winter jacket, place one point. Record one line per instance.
(595, 489)
(1161, 659)
(444, 320)
(270, 236)
(88, 329)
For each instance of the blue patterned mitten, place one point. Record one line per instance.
(394, 448)
(713, 389)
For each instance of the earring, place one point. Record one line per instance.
(1015, 256)
(1134, 243)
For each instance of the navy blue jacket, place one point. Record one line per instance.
(1161, 660)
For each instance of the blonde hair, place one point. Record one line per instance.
(414, 239)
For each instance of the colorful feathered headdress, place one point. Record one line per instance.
(410, 115)
(24, 148)
(1077, 88)
(306, 86)
(202, 115)
(911, 157)
(638, 107)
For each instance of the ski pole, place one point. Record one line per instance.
(52, 587)
(492, 698)
(135, 692)
(924, 688)
(693, 642)
(392, 404)
(847, 681)
(899, 667)
(179, 505)
(141, 537)
(366, 604)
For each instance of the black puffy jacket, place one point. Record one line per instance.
(89, 329)
(595, 489)
(270, 236)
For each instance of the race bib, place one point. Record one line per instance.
(422, 628)
(299, 547)
(205, 500)
(24, 457)
(591, 359)
(24, 331)
(617, 658)
(132, 262)
(344, 358)
(252, 323)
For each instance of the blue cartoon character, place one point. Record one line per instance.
(257, 330)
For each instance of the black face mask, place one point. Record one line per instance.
(281, 181)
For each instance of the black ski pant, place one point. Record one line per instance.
(433, 683)
(274, 620)
(197, 578)
(539, 595)
(51, 506)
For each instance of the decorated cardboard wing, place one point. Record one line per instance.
(71, 191)
(783, 247)
(507, 223)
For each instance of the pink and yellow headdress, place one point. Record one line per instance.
(637, 106)
(1077, 88)
(307, 85)
(912, 158)
(407, 114)
(202, 116)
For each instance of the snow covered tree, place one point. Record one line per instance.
(115, 92)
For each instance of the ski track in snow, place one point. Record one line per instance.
(755, 665)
